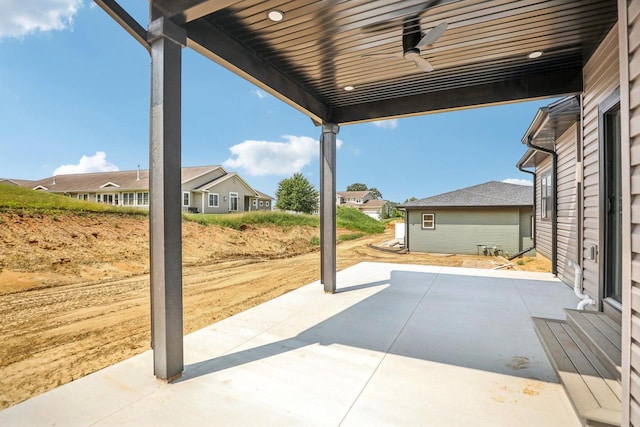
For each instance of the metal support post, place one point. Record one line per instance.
(328, 206)
(165, 223)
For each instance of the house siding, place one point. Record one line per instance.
(544, 227)
(223, 189)
(567, 204)
(526, 240)
(459, 230)
(631, 269)
(601, 77)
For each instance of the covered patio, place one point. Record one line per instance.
(395, 345)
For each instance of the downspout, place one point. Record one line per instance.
(554, 219)
(534, 175)
(577, 286)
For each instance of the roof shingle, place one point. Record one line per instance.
(492, 193)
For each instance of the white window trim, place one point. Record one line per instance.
(217, 205)
(188, 194)
(231, 196)
(433, 221)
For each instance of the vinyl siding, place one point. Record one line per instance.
(601, 78)
(525, 229)
(633, 30)
(567, 204)
(459, 230)
(544, 227)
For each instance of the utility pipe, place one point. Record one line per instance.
(577, 286)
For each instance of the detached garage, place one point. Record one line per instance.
(493, 215)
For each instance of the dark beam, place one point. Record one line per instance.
(165, 215)
(328, 206)
(216, 45)
(126, 21)
(557, 82)
(182, 11)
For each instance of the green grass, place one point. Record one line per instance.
(25, 199)
(348, 218)
(237, 221)
(353, 219)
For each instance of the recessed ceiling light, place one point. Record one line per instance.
(275, 15)
(534, 55)
(349, 88)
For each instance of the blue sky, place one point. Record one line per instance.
(74, 97)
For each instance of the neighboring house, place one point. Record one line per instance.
(493, 214)
(366, 202)
(205, 189)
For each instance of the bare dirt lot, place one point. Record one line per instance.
(74, 289)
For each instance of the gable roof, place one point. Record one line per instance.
(492, 193)
(101, 181)
(263, 195)
(222, 179)
(353, 194)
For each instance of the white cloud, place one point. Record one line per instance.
(261, 158)
(518, 181)
(386, 124)
(96, 163)
(19, 18)
(260, 94)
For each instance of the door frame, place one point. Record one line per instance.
(607, 304)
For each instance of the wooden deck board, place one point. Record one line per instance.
(595, 397)
(605, 329)
(586, 328)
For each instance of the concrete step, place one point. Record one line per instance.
(594, 391)
(601, 334)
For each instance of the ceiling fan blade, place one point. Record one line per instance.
(385, 55)
(423, 64)
(432, 36)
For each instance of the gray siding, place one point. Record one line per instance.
(544, 227)
(601, 78)
(631, 327)
(223, 189)
(203, 179)
(568, 243)
(459, 230)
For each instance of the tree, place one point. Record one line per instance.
(297, 194)
(357, 186)
(410, 200)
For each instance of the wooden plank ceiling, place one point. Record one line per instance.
(321, 47)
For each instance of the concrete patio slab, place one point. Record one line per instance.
(396, 345)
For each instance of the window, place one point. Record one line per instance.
(429, 221)
(546, 199)
(185, 199)
(255, 202)
(266, 203)
(143, 199)
(261, 202)
(214, 200)
(83, 197)
(233, 201)
(128, 199)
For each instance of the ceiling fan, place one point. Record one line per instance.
(413, 40)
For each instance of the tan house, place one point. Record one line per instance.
(205, 189)
(366, 202)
